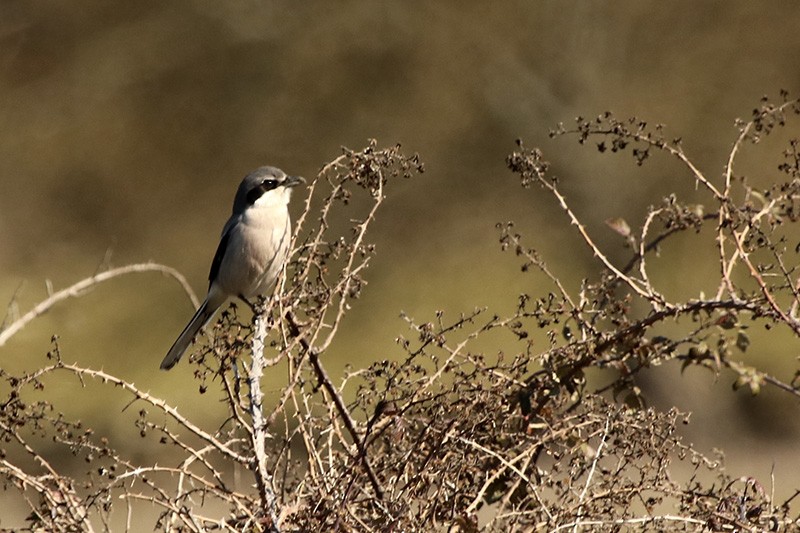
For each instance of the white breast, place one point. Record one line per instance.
(257, 248)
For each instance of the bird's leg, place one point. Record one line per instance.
(255, 308)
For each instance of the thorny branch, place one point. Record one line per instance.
(80, 288)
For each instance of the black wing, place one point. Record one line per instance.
(217, 262)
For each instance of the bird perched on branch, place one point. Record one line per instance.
(251, 252)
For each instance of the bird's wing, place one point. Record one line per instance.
(223, 246)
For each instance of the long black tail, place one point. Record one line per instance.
(200, 318)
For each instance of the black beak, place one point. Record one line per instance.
(293, 181)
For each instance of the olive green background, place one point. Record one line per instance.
(126, 127)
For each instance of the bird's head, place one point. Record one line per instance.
(264, 187)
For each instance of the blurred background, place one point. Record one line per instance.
(128, 125)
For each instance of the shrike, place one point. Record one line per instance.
(251, 252)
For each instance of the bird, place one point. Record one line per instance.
(252, 249)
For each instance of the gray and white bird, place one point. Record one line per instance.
(251, 252)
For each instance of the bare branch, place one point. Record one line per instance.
(80, 288)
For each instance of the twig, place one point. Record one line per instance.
(632, 521)
(338, 401)
(591, 475)
(632, 283)
(155, 402)
(473, 506)
(78, 289)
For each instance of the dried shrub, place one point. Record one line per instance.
(449, 438)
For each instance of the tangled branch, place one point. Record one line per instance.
(446, 436)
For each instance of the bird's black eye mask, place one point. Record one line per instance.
(257, 192)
